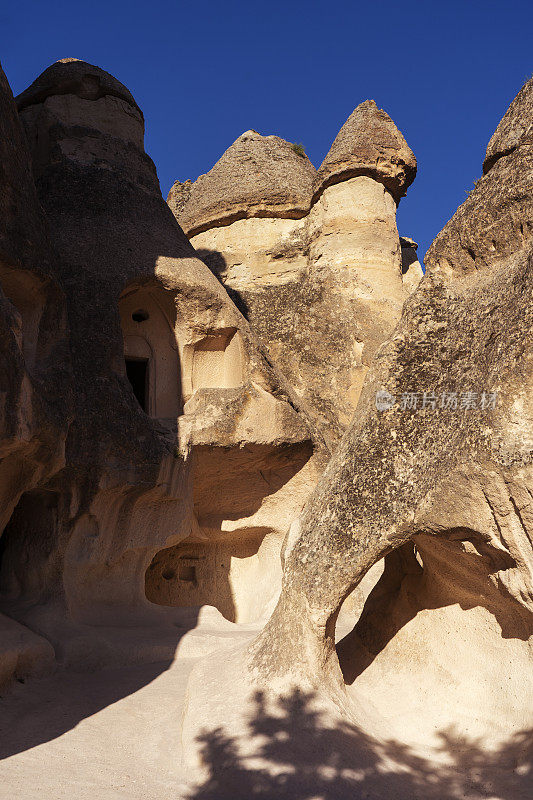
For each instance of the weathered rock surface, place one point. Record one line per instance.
(34, 361)
(167, 380)
(456, 481)
(35, 369)
(321, 291)
(496, 219)
(369, 143)
(515, 129)
(435, 476)
(151, 455)
(258, 176)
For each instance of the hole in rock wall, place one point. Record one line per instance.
(220, 573)
(140, 316)
(436, 624)
(29, 548)
(148, 319)
(217, 361)
(137, 373)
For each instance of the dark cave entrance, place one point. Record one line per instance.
(30, 548)
(137, 372)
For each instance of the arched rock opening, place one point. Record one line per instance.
(152, 364)
(435, 628)
(244, 501)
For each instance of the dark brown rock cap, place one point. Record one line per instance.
(258, 176)
(369, 143)
(71, 76)
(515, 128)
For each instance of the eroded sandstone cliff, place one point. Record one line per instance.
(180, 431)
(434, 481)
(315, 264)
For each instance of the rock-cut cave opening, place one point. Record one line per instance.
(151, 353)
(230, 573)
(442, 600)
(137, 374)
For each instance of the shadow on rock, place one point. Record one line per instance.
(292, 753)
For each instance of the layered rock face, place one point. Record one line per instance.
(312, 259)
(433, 486)
(160, 453)
(437, 472)
(170, 395)
(34, 366)
(35, 369)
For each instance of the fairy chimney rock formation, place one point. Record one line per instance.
(258, 176)
(173, 404)
(369, 143)
(439, 492)
(312, 259)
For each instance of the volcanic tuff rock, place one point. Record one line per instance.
(455, 481)
(369, 143)
(144, 312)
(151, 455)
(515, 129)
(34, 362)
(438, 481)
(322, 290)
(258, 176)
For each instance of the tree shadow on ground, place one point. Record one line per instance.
(294, 753)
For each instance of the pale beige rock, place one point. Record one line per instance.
(255, 253)
(169, 392)
(322, 292)
(354, 255)
(412, 272)
(436, 673)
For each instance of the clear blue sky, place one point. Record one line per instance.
(204, 72)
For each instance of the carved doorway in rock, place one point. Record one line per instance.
(151, 358)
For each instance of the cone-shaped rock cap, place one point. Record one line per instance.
(70, 76)
(258, 176)
(369, 143)
(515, 128)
